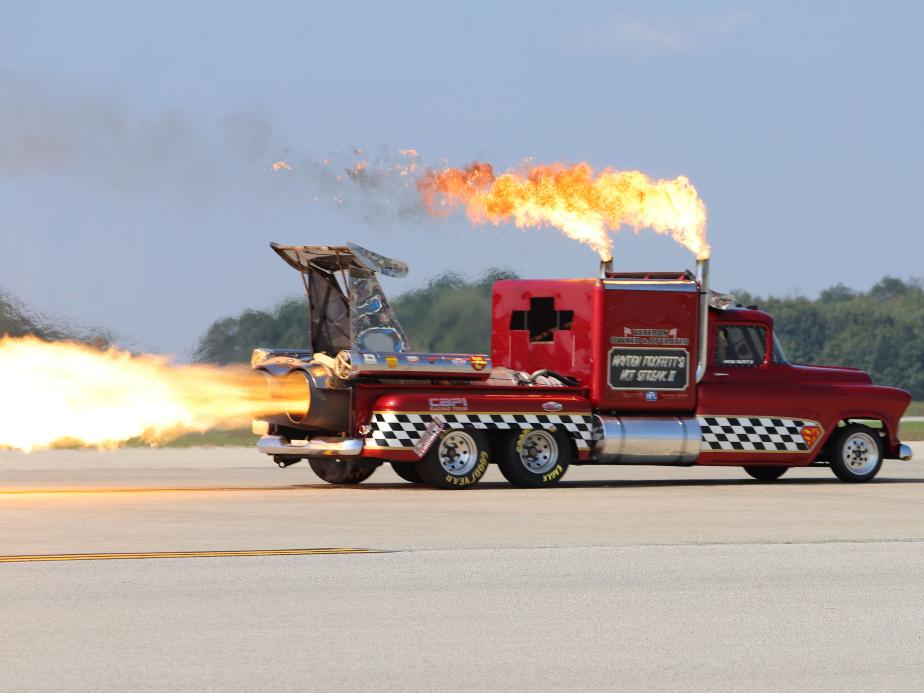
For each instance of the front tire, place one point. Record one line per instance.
(766, 473)
(856, 453)
(535, 458)
(337, 471)
(457, 459)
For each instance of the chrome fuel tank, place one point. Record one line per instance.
(646, 440)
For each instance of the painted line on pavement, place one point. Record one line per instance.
(31, 558)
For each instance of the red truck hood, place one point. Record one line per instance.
(830, 374)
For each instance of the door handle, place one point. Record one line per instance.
(721, 375)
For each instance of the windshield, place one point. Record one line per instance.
(778, 355)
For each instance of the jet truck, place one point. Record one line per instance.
(625, 368)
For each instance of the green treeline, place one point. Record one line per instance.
(880, 331)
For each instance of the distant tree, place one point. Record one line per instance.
(17, 320)
(231, 339)
(836, 293)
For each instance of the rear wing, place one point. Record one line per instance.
(346, 305)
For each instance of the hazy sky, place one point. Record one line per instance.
(136, 141)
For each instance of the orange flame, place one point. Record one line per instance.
(56, 392)
(281, 166)
(585, 206)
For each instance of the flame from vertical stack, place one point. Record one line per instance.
(584, 205)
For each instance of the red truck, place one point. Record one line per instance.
(627, 368)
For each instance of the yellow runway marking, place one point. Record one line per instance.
(29, 558)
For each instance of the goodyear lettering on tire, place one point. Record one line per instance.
(475, 474)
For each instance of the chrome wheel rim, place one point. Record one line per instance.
(458, 453)
(861, 453)
(539, 451)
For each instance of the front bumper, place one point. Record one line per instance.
(315, 447)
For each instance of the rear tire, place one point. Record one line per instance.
(856, 453)
(409, 471)
(456, 460)
(766, 473)
(338, 471)
(535, 458)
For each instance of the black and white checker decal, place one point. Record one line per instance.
(753, 434)
(393, 430)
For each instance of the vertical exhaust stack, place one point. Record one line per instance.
(605, 266)
(702, 278)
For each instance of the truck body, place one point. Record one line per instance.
(624, 368)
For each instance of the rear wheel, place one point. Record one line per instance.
(856, 453)
(409, 471)
(534, 458)
(766, 473)
(338, 471)
(458, 459)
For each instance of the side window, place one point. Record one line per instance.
(740, 345)
(542, 319)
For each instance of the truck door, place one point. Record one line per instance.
(747, 409)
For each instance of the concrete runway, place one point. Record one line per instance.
(636, 577)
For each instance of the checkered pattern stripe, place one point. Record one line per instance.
(753, 434)
(393, 430)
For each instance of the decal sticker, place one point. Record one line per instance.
(395, 430)
(648, 369)
(479, 362)
(458, 362)
(552, 406)
(651, 396)
(448, 404)
(392, 361)
(412, 359)
(643, 336)
(756, 433)
(429, 436)
(810, 434)
(370, 358)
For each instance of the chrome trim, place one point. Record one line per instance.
(649, 285)
(333, 447)
(702, 276)
(646, 440)
(905, 453)
(351, 364)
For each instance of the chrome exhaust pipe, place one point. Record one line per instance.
(702, 278)
(605, 267)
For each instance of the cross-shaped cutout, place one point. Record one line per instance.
(542, 319)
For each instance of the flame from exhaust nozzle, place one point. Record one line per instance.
(585, 206)
(65, 393)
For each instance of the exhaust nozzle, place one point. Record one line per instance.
(605, 267)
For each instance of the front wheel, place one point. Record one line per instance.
(458, 459)
(534, 458)
(856, 453)
(766, 473)
(337, 471)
